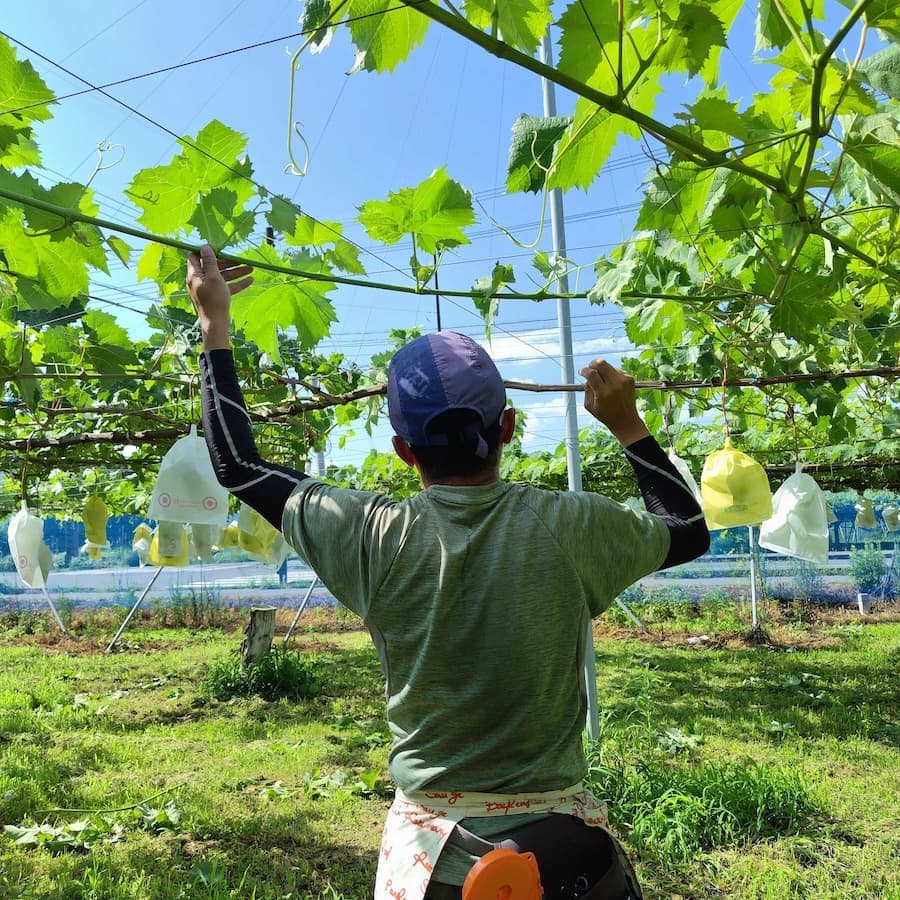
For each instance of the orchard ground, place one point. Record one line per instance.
(735, 764)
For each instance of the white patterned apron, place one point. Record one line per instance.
(420, 823)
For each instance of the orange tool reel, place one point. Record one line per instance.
(504, 875)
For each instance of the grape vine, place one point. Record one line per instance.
(765, 253)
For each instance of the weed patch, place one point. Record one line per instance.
(673, 810)
(281, 673)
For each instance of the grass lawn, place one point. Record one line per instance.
(732, 768)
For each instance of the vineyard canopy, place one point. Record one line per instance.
(759, 287)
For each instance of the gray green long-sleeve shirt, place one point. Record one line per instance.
(477, 600)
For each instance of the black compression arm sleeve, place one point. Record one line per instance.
(262, 485)
(666, 495)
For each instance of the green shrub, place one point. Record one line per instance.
(867, 568)
(280, 673)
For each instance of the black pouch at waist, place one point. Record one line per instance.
(577, 861)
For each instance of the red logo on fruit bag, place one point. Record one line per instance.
(210, 503)
(23, 561)
(164, 500)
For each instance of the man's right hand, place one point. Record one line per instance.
(609, 396)
(211, 284)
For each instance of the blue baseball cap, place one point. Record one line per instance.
(437, 373)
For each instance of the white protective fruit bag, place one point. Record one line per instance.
(204, 539)
(798, 525)
(140, 542)
(26, 544)
(186, 488)
(684, 471)
(865, 513)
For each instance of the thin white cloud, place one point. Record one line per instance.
(546, 420)
(541, 347)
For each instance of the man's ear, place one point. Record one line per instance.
(507, 425)
(403, 450)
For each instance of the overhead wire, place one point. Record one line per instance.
(492, 233)
(187, 142)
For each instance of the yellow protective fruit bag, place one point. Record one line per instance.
(735, 489)
(260, 538)
(799, 523)
(95, 516)
(169, 546)
(891, 517)
(231, 536)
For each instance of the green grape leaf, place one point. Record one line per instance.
(586, 26)
(65, 195)
(59, 267)
(310, 232)
(60, 343)
(880, 14)
(345, 256)
(164, 265)
(794, 316)
(543, 263)
(712, 112)
(384, 34)
(872, 142)
(39, 308)
(282, 215)
(490, 284)
(584, 147)
(215, 217)
(531, 151)
(108, 347)
(120, 248)
(488, 307)
(483, 291)
(168, 194)
(519, 23)
(24, 97)
(771, 28)
(436, 211)
(214, 156)
(315, 14)
(613, 276)
(695, 33)
(655, 322)
(18, 152)
(882, 71)
(274, 303)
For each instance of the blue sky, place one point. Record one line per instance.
(451, 105)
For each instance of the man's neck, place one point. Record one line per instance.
(480, 480)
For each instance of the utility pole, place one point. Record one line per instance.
(567, 371)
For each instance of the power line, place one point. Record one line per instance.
(188, 143)
(100, 88)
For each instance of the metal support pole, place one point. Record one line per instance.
(56, 615)
(753, 597)
(134, 609)
(567, 371)
(303, 603)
